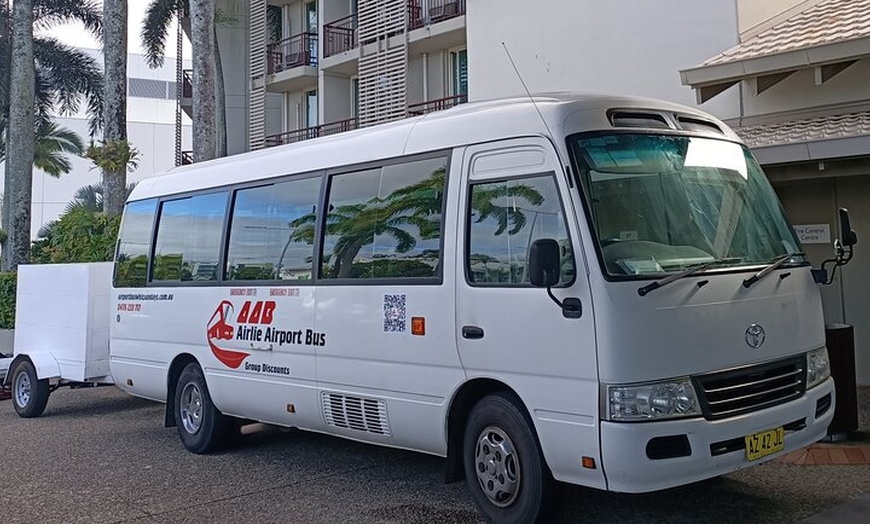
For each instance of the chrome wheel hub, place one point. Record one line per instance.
(22, 389)
(191, 408)
(497, 466)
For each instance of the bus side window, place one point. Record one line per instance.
(134, 244)
(189, 234)
(505, 217)
(386, 222)
(272, 231)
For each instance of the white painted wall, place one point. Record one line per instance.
(632, 47)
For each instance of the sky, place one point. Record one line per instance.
(75, 34)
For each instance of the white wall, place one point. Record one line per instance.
(632, 47)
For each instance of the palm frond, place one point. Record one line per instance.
(72, 75)
(53, 144)
(155, 29)
(49, 13)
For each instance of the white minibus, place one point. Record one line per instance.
(601, 291)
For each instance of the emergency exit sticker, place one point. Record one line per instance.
(814, 233)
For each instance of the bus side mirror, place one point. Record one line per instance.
(544, 263)
(849, 237)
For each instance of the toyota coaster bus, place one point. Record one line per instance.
(592, 290)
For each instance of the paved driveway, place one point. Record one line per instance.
(98, 455)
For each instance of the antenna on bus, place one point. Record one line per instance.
(528, 93)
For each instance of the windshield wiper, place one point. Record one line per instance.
(778, 261)
(642, 291)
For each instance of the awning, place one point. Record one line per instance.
(828, 36)
(820, 138)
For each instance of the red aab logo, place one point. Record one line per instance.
(219, 329)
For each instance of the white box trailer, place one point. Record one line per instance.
(61, 332)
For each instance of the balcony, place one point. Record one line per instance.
(296, 51)
(299, 135)
(437, 104)
(426, 12)
(186, 158)
(187, 83)
(339, 36)
(292, 64)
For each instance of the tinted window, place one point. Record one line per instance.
(385, 222)
(131, 261)
(189, 238)
(505, 218)
(272, 232)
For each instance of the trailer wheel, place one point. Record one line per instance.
(29, 394)
(201, 426)
(504, 467)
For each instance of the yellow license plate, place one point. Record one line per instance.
(764, 443)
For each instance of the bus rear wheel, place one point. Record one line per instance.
(202, 428)
(504, 467)
(29, 394)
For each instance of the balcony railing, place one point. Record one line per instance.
(423, 12)
(296, 51)
(186, 157)
(299, 135)
(187, 83)
(437, 104)
(340, 36)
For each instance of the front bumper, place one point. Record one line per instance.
(714, 446)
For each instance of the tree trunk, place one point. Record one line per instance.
(202, 36)
(220, 101)
(115, 99)
(20, 139)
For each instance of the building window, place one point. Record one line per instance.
(311, 108)
(272, 231)
(459, 72)
(386, 222)
(504, 218)
(189, 238)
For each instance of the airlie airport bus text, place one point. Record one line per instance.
(591, 290)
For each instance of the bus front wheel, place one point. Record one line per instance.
(29, 394)
(201, 426)
(504, 467)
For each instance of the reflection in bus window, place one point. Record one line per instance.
(385, 222)
(506, 217)
(272, 232)
(189, 238)
(131, 267)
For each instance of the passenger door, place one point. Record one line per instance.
(515, 193)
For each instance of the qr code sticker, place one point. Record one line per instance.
(394, 313)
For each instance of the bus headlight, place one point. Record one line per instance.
(652, 401)
(818, 367)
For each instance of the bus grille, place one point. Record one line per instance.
(744, 390)
(360, 414)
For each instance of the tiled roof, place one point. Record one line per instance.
(809, 130)
(827, 22)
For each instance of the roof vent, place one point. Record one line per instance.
(638, 119)
(690, 123)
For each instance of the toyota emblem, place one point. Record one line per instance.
(755, 336)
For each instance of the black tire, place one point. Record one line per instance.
(514, 484)
(202, 428)
(29, 394)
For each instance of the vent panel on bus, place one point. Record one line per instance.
(690, 123)
(744, 390)
(360, 414)
(638, 119)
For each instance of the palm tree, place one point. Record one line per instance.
(19, 170)
(115, 93)
(53, 144)
(37, 76)
(155, 31)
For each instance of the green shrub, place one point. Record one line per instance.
(8, 283)
(78, 236)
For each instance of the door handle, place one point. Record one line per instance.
(472, 332)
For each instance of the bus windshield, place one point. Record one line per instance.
(664, 203)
